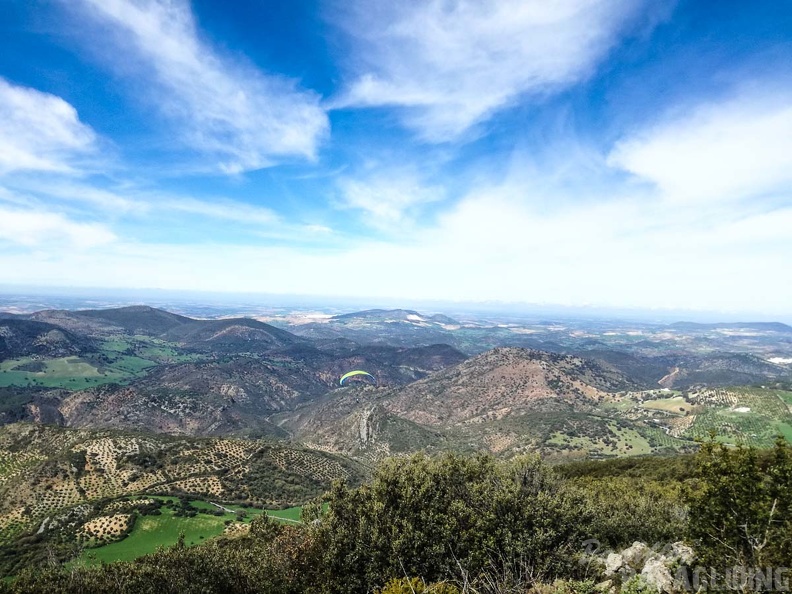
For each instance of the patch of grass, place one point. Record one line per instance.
(676, 405)
(71, 373)
(146, 348)
(151, 532)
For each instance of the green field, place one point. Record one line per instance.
(71, 373)
(151, 532)
(620, 441)
(147, 348)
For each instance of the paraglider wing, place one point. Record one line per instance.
(354, 373)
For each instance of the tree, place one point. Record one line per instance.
(740, 512)
(452, 518)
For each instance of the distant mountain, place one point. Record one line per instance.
(758, 326)
(378, 315)
(137, 319)
(21, 338)
(223, 335)
(393, 315)
(721, 369)
(231, 334)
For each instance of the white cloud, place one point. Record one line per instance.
(128, 201)
(36, 228)
(226, 108)
(453, 64)
(725, 151)
(388, 199)
(492, 246)
(39, 131)
(228, 210)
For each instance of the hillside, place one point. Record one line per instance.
(55, 478)
(236, 334)
(233, 394)
(503, 382)
(20, 338)
(137, 319)
(504, 401)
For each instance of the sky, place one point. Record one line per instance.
(608, 153)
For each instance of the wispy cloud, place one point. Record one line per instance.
(452, 64)
(40, 228)
(389, 198)
(729, 150)
(40, 132)
(129, 201)
(224, 107)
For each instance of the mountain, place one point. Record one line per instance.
(137, 319)
(721, 369)
(229, 395)
(380, 315)
(354, 421)
(503, 382)
(504, 401)
(235, 334)
(755, 326)
(20, 338)
(226, 335)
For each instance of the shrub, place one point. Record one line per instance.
(452, 518)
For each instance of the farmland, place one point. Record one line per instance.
(71, 373)
(165, 529)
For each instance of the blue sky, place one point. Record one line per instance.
(620, 153)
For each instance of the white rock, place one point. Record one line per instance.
(656, 574)
(613, 563)
(636, 555)
(682, 553)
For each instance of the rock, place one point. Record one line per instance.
(656, 575)
(682, 553)
(613, 563)
(607, 587)
(635, 556)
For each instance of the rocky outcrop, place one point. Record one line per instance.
(655, 567)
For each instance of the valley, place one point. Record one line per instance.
(124, 427)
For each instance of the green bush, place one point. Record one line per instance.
(417, 586)
(741, 510)
(452, 518)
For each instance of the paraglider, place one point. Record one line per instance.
(360, 374)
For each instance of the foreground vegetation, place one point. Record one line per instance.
(473, 524)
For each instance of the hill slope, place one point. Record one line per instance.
(502, 382)
(20, 338)
(53, 473)
(137, 319)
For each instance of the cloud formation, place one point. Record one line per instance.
(223, 107)
(722, 151)
(453, 64)
(36, 229)
(389, 198)
(39, 131)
